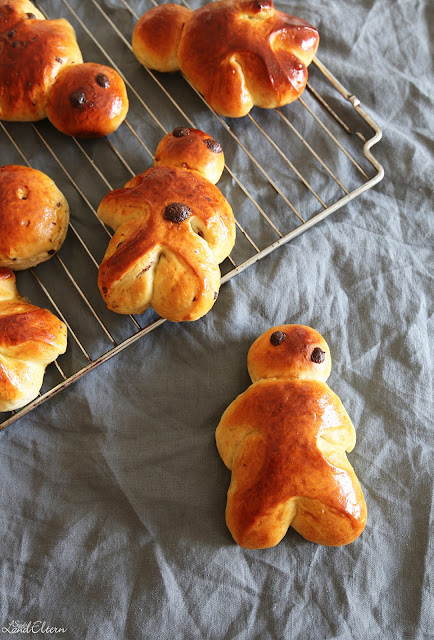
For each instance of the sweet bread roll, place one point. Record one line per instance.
(173, 228)
(87, 100)
(236, 53)
(32, 52)
(284, 439)
(14, 11)
(192, 149)
(34, 217)
(156, 36)
(30, 338)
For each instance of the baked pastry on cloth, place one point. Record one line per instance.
(236, 53)
(284, 440)
(34, 217)
(30, 338)
(173, 229)
(90, 100)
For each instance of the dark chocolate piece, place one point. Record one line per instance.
(318, 355)
(180, 132)
(103, 81)
(77, 99)
(277, 338)
(177, 212)
(213, 145)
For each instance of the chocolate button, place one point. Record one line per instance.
(77, 99)
(102, 80)
(277, 338)
(318, 355)
(213, 145)
(177, 212)
(180, 132)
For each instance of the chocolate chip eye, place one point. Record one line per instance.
(31, 16)
(180, 132)
(277, 338)
(318, 355)
(103, 81)
(77, 99)
(11, 34)
(177, 212)
(213, 145)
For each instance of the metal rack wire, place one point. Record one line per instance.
(272, 206)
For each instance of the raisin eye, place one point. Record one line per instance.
(180, 132)
(277, 338)
(318, 355)
(102, 80)
(77, 99)
(213, 145)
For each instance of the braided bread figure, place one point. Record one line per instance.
(284, 440)
(43, 75)
(173, 229)
(236, 53)
(30, 338)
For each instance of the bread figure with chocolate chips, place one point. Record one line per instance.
(42, 74)
(236, 53)
(173, 229)
(284, 439)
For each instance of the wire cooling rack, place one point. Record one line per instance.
(281, 177)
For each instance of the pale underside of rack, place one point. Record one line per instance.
(282, 176)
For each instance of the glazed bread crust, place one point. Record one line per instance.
(284, 439)
(156, 36)
(32, 54)
(236, 53)
(192, 149)
(152, 261)
(14, 11)
(30, 338)
(87, 100)
(34, 217)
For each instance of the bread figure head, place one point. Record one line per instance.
(236, 53)
(173, 228)
(285, 440)
(88, 100)
(289, 351)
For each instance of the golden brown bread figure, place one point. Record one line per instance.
(32, 51)
(40, 57)
(173, 229)
(236, 53)
(34, 217)
(285, 440)
(30, 338)
(87, 100)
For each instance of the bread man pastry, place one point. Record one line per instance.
(42, 75)
(284, 440)
(236, 53)
(34, 217)
(30, 338)
(173, 229)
